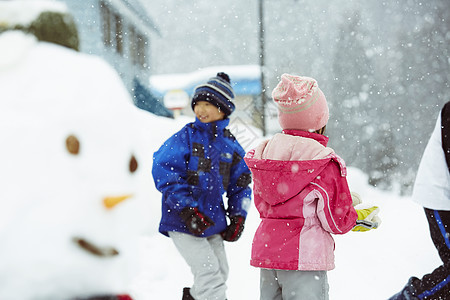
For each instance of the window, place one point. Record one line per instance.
(119, 34)
(106, 23)
(138, 47)
(142, 50)
(133, 45)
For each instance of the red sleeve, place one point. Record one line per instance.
(334, 208)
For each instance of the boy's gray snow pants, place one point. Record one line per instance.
(208, 262)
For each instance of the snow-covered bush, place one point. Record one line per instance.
(48, 21)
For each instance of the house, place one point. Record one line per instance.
(245, 80)
(119, 31)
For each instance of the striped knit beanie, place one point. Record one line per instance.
(216, 91)
(301, 104)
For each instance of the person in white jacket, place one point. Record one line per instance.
(432, 191)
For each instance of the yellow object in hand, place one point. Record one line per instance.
(367, 219)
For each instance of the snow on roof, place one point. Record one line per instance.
(134, 11)
(161, 84)
(23, 12)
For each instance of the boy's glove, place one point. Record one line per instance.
(234, 230)
(196, 221)
(367, 219)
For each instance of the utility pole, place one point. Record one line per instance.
(261, 65)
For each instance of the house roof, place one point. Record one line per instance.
(245, 80)
(139, 10)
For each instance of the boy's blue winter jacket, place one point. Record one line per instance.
(194, 168)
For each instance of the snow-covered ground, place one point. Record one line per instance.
(49, 195)
(369, 265)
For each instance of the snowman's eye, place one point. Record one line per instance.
(73, 144)
(133, 164)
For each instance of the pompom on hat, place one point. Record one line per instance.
(301, 104)
(216, 91)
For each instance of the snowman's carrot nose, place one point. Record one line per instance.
(110, 202)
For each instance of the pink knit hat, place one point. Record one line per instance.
(301, 104)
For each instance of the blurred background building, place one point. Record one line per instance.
(121, 32)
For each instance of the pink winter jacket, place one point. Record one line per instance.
(301, 193)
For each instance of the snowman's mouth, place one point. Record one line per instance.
(94, 249)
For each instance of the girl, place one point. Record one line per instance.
(301, 193)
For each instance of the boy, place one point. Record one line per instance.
(192, 170)
(432, 191)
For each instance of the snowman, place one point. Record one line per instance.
(72, 209)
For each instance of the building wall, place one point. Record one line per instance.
(112, 30)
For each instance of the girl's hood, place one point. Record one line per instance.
(277, 181)
(284, 165)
